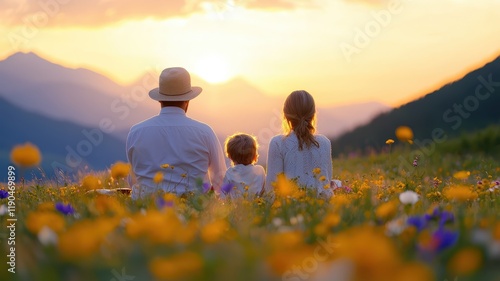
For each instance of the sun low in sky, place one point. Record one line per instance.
(214, 69)
(342, 51)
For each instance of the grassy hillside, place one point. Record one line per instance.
(65, 146)
(466, 105)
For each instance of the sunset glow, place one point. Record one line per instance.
(213, 69)
(343, 51)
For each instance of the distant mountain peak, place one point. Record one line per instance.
(25, 57)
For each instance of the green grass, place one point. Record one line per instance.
(199, 237)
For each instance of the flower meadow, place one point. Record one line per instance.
(396, 216)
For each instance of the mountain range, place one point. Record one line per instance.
(466, 105)
(52, 105)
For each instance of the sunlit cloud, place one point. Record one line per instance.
(105, 12)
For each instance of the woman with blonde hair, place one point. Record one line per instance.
(299, 153)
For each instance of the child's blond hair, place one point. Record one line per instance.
(242, 148)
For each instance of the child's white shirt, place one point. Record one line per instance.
(250, 177)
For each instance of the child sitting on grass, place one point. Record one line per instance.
(243, 176)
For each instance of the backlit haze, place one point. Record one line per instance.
(342, 51)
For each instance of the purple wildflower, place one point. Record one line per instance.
(226, 188)
(161, 203)
(443, 239)
(206, 187)
(443, 217)
(65, 209)
(419, 222)
(3, 194)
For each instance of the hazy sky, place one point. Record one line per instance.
(342, 51)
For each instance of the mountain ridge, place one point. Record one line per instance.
(456, 107)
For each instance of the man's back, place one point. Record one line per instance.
(190, 148)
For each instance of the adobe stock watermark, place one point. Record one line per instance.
(455, 115)
(121, 276)
(224, 8)
(32, 23)
(120, 108)
(364, 36)
(309, 265)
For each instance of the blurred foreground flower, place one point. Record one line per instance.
(214, 231)
(443, 217)
(418, 222)
(91, 182)
(226, 188)
(389, 141)
(460, 193)
(36, 221)
(179, 266)
(120, 170)
(4, 194)
(285, 187)
(84, 238)
(26, 155)
(404, 133)
(461, 175)
(65, 209)
(47, 236)
(409, 197)
(440, 240)
(386, 210)
(158, 178)
(465, 262)
(3, 210)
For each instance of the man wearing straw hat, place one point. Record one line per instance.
(170, 151)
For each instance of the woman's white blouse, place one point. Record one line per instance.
(285, 157)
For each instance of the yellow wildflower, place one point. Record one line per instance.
(158, 178)
(414, 272)
(179, 266)
(465, 262)
(84, 238)
(340, 200)
(91, 182)
(285, 187)
(389, 141)
(316, 171)
(461, 175)
(37, 220)
(332, 220)
(26, 155)
(496, 232)
(120, 170)
(374, 256)
(322, 178)
(386, 210)
(460, 193)
(165, 166)
(46, 206)
(107, 205)
(404, 133)
(214, 231)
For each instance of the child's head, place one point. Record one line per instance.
(242, 149)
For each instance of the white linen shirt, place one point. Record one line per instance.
(241, 176)
(190, 148)
(285, 157)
